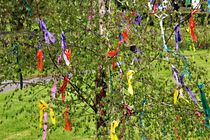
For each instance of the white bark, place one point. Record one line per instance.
(102, 12)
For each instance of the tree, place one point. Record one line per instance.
(121, 67)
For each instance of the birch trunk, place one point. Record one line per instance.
(102, 12)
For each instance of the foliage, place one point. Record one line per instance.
(152, 80)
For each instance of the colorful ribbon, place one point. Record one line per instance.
(129, 77)
(15, 51)
(177, 36)
(66, 59)
(113, 134)
(49, 38)
(125, 115)
(52, 116)
(195, 3)
(187, 3)
(28, 7)
(178, 93)
(39, 60)
(44, 136)
(113, 53)
(123, 37)
(137, 19)
(63, 42)
(68, 53)
(42, 107)
(66, 120)
(63, 87)
(65, 52)
(59, 60)
(53, 90)
(205, 105)
(192, 26)
(155, 7)
(187, 89)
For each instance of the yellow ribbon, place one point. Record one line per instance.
(129, 77)
(52, 116)
(42, 106)
(113, 134)
(176, 94)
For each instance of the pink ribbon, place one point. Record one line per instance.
(45, 127)
(53, 90)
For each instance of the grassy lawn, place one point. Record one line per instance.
(19, 117)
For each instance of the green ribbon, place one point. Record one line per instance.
(205, 104)
(28, 7)
(187, 3)
(15, 51)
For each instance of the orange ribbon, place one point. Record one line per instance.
(66, 120)
(39, 60)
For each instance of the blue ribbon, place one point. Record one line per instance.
(63, 42)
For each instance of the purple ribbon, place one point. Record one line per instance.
(181, 80)
(175, 72)
(177, 36)
(63, 42)
(191, 94)
(49, 38)
(137, 19)
(45, 127)
(187, 89)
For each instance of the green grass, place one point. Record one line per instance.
(17, 125)
(201, 58)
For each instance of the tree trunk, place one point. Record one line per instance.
(102, 12)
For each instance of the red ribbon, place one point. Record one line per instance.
(63, 87)
(125, 115)
(192, 26)
(124, 39)
(177, 133)
(200, 115)
(39, 60)
(155, 8)
(113, 53)
(66, 120)
(114, 65)
(125, 36)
